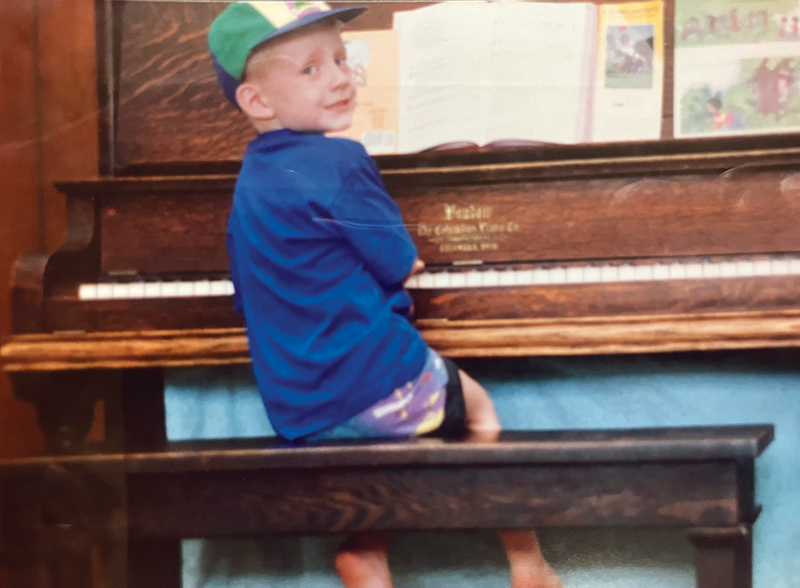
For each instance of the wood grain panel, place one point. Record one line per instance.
(48, 125)
(69, 103)
(19, 158)
(353, 499)
(170, 106)
(469, 338)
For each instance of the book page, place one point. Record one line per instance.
(443, 74)
(373, 57)
(630, 72)
(737, 66)
(542, 71)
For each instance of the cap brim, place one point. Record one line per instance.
(342, 14)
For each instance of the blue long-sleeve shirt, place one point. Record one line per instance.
(318, 253)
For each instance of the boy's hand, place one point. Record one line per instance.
(418, 266)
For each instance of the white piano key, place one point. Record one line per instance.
(541, 276)
(660, 271)
(137, 290)
(185, 289)
(693, 270)
(152, 290)
(677, 271)
(229, 289)
(474, 279)
(762, 267)
(779, 267)
(609, 273)
(523, 277)
(794, 266)
(507, 277)
(591, 274)
(120, 291)
(458, 280)
(202, 288)
(412, 283)
(169, 289)
(727, 269)
(643, 273)
(626, 273)
(219, 287)
(441, 280)
(87, 292)
(558, 275)
(426, 280)
(744, 268)
(712, 270)
(490, 277)
(105, 291)
(575, 275)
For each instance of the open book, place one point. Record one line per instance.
(515, 73)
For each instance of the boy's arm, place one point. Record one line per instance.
(370, 221)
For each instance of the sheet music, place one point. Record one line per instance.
(541, 73)
(443, 74)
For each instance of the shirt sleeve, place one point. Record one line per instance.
(234, 263)
(371, 222)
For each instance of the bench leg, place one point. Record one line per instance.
(723, 557)
(154, 563)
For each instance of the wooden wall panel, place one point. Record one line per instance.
(18, 202)
(48, 131)
(69, 98)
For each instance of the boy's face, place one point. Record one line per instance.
(306, 82)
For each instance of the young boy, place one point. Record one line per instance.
(319, 255)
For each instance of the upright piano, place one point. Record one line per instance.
(658, 246)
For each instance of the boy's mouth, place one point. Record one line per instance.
(341, 104)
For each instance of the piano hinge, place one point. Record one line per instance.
(469, 262)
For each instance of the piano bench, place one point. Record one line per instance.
(58, 514)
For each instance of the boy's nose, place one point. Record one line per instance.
(341, 76)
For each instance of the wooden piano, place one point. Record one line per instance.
(532, 250)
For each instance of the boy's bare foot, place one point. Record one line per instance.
(529, 569)
(362, 561)
(540, 577)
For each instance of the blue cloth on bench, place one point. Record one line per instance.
(537, 393)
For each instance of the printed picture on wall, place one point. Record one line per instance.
(737, 67)
(629, 56)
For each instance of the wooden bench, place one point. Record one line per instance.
(61, 516)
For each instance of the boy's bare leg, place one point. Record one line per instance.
(363, 562)
(529, 569)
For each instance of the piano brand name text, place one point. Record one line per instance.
(471, 212)
(460, 236)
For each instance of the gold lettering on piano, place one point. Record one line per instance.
(470, 212)
(467, 237)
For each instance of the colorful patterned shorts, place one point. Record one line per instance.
(417, 408)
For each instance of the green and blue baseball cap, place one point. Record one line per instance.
(243, 26)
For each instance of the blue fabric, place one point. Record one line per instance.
(318, 254)
(555, 393)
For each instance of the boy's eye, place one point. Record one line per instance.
(342, 61)
(310, 70)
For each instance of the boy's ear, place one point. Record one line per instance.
(253, 103)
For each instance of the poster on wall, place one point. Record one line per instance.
(630, 71)
(737, 67)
